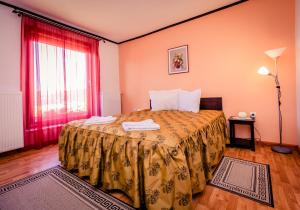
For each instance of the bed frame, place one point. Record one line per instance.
(212, 103)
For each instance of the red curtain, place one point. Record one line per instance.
(60, 80)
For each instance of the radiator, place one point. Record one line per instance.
(11, 121)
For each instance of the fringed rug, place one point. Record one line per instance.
(56, 189)
(249, 179)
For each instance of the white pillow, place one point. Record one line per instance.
(189, 100)
(164, 99)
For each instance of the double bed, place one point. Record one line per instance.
(159, 169)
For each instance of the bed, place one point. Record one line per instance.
(157, 169)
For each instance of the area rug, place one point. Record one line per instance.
(56, 189)
(249, 179)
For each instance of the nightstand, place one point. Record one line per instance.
(240, 142)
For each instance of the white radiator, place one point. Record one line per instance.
(11, 121)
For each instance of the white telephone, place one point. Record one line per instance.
(242, 115)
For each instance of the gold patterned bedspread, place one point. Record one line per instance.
(157, 169)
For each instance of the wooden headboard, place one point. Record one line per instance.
(209, 103)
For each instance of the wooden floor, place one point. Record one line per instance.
(285, 174)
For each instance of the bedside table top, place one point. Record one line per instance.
(234, 118)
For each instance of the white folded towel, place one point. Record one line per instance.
(100, 120)
(144, 122)
(141, 125)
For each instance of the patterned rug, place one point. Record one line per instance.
(56, 189)
(249, 179)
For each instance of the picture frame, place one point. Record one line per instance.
(178, 60)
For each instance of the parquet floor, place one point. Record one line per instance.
(285, 173)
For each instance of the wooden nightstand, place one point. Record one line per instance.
(240, 142)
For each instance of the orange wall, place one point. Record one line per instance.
(225, 50)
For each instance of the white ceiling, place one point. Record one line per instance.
(120, 20)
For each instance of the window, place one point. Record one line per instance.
(61, 91)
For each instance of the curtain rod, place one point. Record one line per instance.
(20, 11)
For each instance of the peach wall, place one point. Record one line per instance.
(225, 51)
(297, 25)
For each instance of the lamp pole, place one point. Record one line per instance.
(279, 148)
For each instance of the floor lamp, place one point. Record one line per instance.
(275, 54)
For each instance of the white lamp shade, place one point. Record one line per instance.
(275, 53)
(263, 70)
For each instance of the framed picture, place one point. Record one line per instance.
(178, 60)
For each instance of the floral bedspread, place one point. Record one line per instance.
(158, 169)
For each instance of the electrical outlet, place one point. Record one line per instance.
(253, 115)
